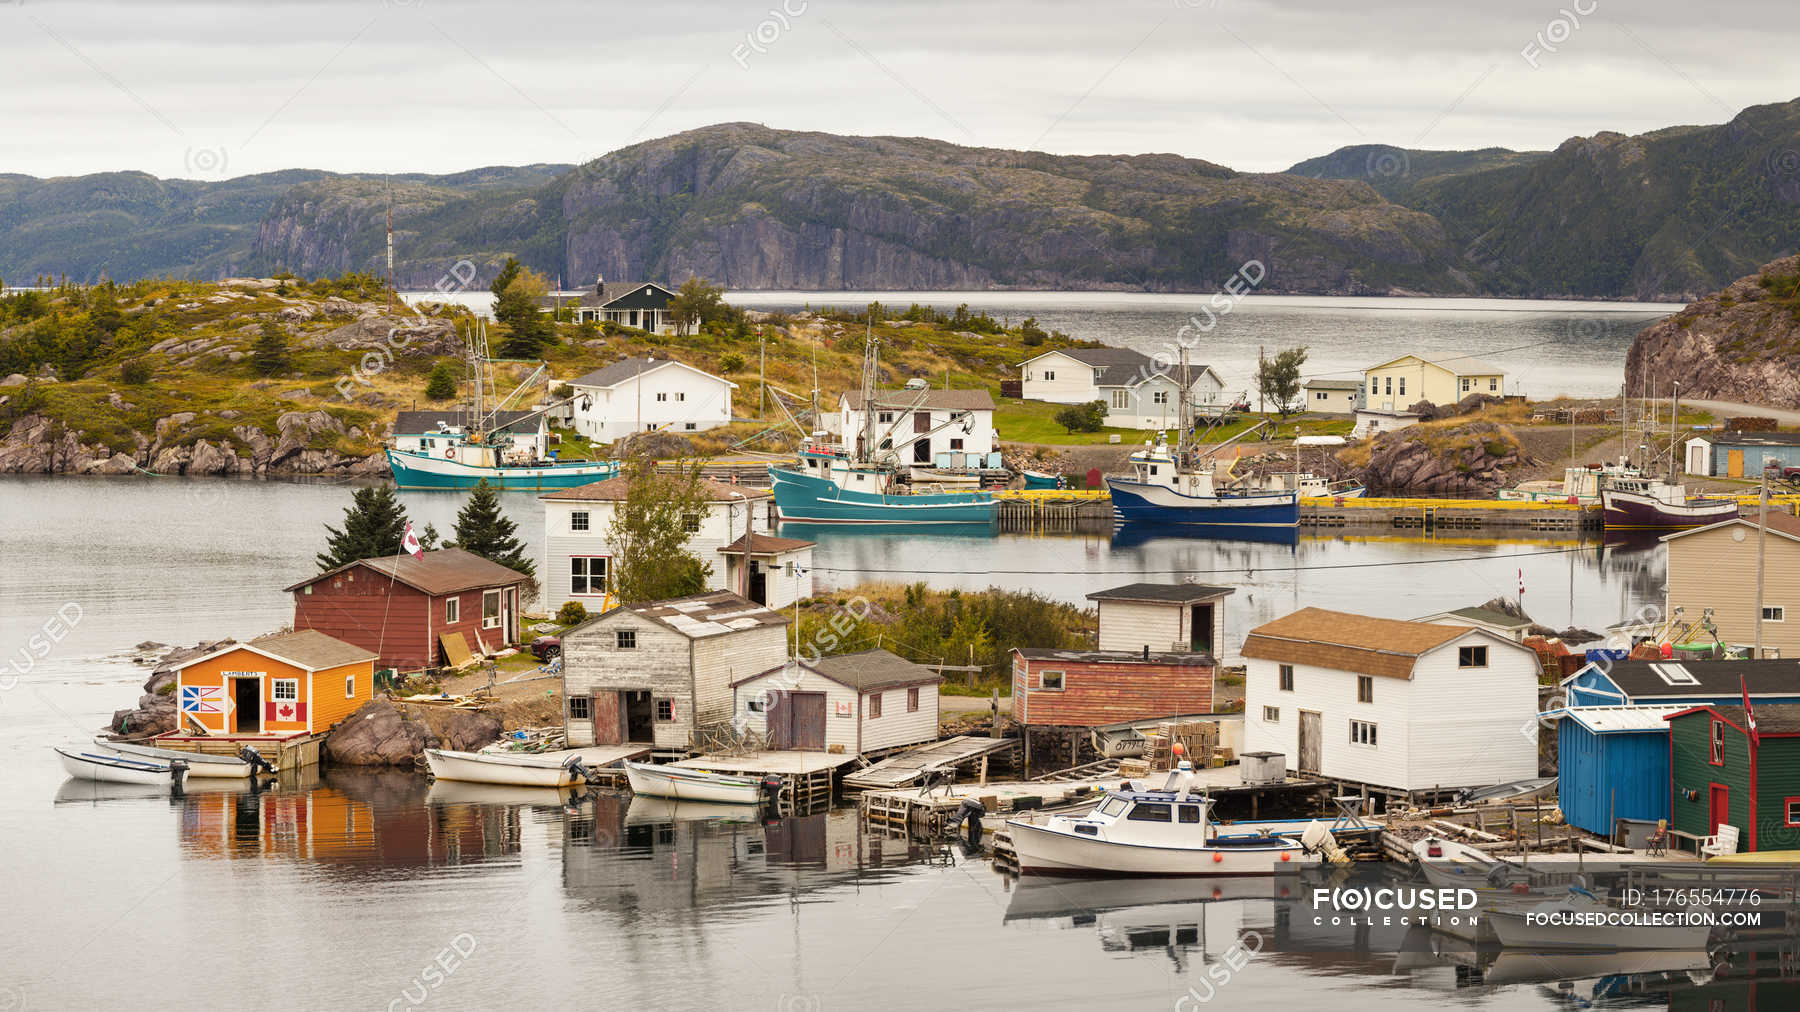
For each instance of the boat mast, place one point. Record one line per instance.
(1184, 412)
(868, 395)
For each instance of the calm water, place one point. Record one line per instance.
(1546, 347)
(339, 893)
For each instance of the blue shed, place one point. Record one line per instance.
(1612, 763)
(1740, 454)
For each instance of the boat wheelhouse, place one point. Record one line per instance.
(1170, 485)
(826, 486)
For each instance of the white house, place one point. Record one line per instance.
(1331, 396)
(1373, 422)
(1140, 392)
(578, 551)
(435, 431)
(961, 422)
(639, 304)
(643, 394)
(1403, 706)
(1497, 622)
(863, 702)
(655, 673)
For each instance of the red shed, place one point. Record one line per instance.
(399, 607)
(1091, 688)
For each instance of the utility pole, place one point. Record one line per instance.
(1762, 541)
(390, 244)
(762, 373)
(1259, 379)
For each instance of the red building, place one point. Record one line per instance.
(402, 607)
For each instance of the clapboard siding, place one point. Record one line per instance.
(1331, 694)
(1133, 625)
(1073, 381)
(660, 664)
(396, 621)
(839, 731)
(1707, 569)
(721, 660)
(896, 727)
(722, 524)
(1107, 692)
(1691, 768)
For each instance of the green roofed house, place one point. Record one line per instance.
(1724, 775)
(1497, 622)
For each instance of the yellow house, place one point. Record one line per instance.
(1713, 568)
(1444, 378)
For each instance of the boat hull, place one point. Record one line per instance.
(1135, 501)
(692, 785)
(811, 499)
(1043, 851)
(1040, 480)
(419, 470)
(1630, 509)
(199, 765)
(516, 771)
(114, 768)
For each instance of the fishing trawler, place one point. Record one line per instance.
(484, 440)
(861, 484)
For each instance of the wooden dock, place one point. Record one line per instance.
(290, 752)
(907, 767)
(806, 777)
(1447, 514)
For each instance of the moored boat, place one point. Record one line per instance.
(517, 770)
(685, 784)
(1580, 921)
(84, 762)
(1041, 480)
(1650, 503)
(827, 487)
(464, 465)
(199, 764)
(1173, 486)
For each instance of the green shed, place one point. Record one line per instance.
(1722, 774)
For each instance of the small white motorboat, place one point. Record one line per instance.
(685, 784)
(199, 764)
(499, 768)
(1450, 864)
(1166, 832)
(1580, 921)
(84, 762)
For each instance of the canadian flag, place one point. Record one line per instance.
(409, 543)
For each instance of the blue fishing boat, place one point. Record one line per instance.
(1175, 486)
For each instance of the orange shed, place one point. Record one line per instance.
(289, 683)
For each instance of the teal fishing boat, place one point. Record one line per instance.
(1040, 480)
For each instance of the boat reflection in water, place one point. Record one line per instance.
(1137, 534)
(1173, 917)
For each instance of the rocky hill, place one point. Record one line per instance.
(1738, 344)
(1393, 172)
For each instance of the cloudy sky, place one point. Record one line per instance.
(211, 89)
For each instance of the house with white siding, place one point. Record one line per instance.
(655, 673)
(578, 551)
(648, 394)
(861, 703)
(1398, 706)
(1140, 392)
(1497, 622)
(960, 423)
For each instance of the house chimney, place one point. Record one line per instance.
(1146, 651)
(599, 284)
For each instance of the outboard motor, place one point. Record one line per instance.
(580, 771)
(258, 765)
(178, 770)
(968, 816)
(771, 788)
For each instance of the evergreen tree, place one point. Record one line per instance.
(270, 355)
(374, 523)
(485, 531)
(442, 384)
(528, 331)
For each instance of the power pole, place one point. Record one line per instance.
(1762, 540)
(762, 373)
(1259, 380)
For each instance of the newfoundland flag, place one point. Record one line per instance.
(409, 543)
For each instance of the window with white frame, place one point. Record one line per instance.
(1493, 383)
(681, 395)
(1362, 732)
(625, 639)
(1365, 688)
(284, 690)
(490, 609)
(1050, 681)
(578, 520)
(1774, 613)
(1049, 375)
(452, 610)
(1285, 677)
(1121, 398)
(690, 522)
(587, 574)
(885, 417)
(349, 686)
(1160, 397)
(1403, 386)
(1272, 714)
(662, 397)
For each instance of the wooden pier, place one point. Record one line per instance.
(807, 778)
(908, 766)
(290, 752)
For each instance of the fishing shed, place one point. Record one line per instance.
(276, 686)
(1735, 454)
(866, 702)
(405, 609)
(1612, 764)
(1724, 773)
(1690, 683)
(661, 672)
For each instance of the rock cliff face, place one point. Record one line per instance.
(1473, 459)
(38, 445)
(387, 734)
(1740, 344)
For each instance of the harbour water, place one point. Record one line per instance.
(1546, 347)
(349, 889)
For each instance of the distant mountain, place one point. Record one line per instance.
(1658, 216)
(1393, 172)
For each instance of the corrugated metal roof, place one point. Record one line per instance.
(1609, 719)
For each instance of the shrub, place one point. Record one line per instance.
(572, 613)
(442, 384)
(1089, 417)
(135, 372)
(731, 362)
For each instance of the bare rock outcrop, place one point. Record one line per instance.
(1738, 344)
(383, 733)
(1473, 459)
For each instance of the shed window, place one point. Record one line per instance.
(452, 610)
(1049, 375)
(1717, 755)
(578, 520)
(1471, 657)
(1272, 714)
(625, 639)
(665, 710)
(490, 609)
(758, 705)
(1365, 688)
(1362, 732)
(284, 689)
(349, 686)
(1286, 674)
(1050, 681)
(1792, 808)
(912, 700)
(874, 705)
(1774, 613)
(578, 708)
(1150, 811)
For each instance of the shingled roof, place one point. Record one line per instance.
(764, 544)
(1162, 593)
(1346, 642)
(711, 614)
(445, 571)
(863, 671)
(311, 649)
(930, 399)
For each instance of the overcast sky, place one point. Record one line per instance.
(214, 89)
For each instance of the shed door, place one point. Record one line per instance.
(808, 727)
(1718, 806)
(605, 708)
(1734, 463)
(1312, 737)
(780, 720)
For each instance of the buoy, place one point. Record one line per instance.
(1180, 749)
(1217, 892)
(1286, 857)
(1217, 857)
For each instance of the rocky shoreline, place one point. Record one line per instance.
(40, 445)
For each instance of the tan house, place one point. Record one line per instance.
(1443, 378)
(1714, 568)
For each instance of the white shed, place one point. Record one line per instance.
(858, 703)
(1405, 706)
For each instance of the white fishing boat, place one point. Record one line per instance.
(85, 762)
(1568, 922)
(1166, 832)
(199, 764)
(517, 770)
(1450, 864)
(685, 784)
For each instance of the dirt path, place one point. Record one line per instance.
(1728, 409)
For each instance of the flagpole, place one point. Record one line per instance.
(393, 575)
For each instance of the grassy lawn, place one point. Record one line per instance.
(1021, 421)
